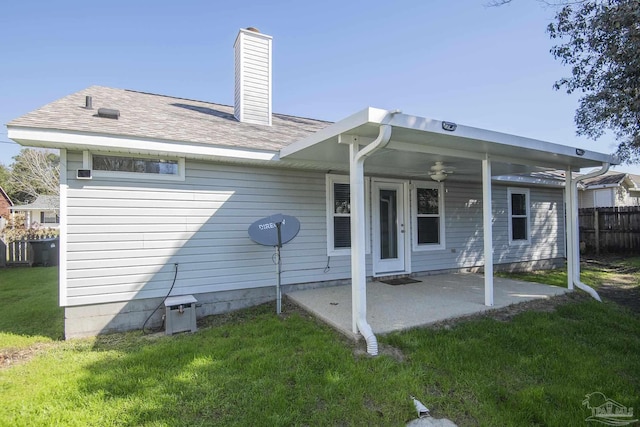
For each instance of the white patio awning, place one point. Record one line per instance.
(407, 146)
(417, 142)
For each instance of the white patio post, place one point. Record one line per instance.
(487, 232)
(570, 224)
(358, 261)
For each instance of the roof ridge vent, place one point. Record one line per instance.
(108, 113)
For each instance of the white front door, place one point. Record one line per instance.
(388, 227)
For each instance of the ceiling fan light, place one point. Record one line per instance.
(438, 167)
(439, 176)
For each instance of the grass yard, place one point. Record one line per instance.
(254, 368)
(30, 312)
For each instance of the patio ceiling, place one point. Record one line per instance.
(417, 143)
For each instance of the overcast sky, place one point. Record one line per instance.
(450, 60)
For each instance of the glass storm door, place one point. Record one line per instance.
(388, 228)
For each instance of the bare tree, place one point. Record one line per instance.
(35, 172)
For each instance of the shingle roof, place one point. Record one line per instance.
(608, 178)
(146, 115)
(41, 203)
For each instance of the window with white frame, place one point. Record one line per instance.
(49, 217)
(428, 216)
(519, 215)
(136, 166)
(339, 215)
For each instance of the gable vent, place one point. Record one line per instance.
(253, 77)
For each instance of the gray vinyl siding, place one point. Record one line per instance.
(464, 235)
(463, 232)
(124, 237)
(547, 227)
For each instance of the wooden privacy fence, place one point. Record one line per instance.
(610, 230)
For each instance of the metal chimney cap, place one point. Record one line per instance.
(254, 29)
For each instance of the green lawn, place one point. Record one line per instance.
(589, 275)
(254, 368)
(30, 311)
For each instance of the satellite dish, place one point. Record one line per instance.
(275, 230)
(265, 231)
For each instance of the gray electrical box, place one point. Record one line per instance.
(180, 314)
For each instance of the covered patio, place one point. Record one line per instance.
(404, 148)
(435, 298)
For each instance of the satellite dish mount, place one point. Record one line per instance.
(275, 230)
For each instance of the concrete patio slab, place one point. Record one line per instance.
(435, 298)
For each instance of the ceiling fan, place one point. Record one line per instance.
(439, 171)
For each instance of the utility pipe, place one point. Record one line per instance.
(574, 223)
(358, 232)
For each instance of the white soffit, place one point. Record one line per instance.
(422, 135)
(34, 137)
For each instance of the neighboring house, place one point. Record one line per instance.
(44, 211)
(5, 207)
(612, 189)
(157, 195)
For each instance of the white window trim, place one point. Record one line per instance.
(525, 191)
(414, 216)
(344, 179)
(43, 215)
(87, 163)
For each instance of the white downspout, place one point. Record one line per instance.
(575, 246)
(487, 231)
(358, 232)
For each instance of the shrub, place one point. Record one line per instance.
(15, 229)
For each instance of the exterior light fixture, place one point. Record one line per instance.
(579, 151)
(449, 126)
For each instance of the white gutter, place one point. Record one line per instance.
(358, 261)
(599, 187)
(576, 244)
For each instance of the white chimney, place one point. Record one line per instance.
(253, 77)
